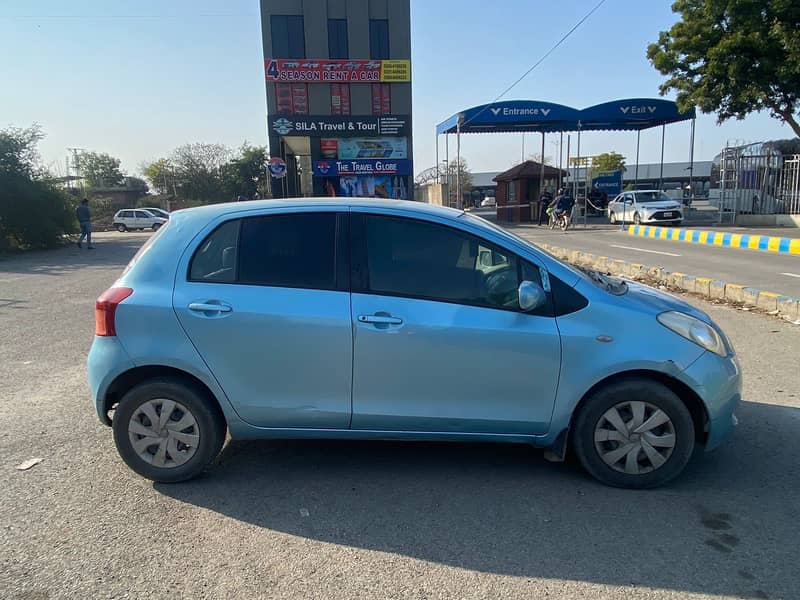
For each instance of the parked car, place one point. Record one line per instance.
(488, 201)
(138, 218)
(159, 212)
(361, 319)
(645, 206)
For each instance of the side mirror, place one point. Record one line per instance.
(486, 258)
(531, 296)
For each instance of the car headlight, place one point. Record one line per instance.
(694, 330)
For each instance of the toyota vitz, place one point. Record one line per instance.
(373, 319)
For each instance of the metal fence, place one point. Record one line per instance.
(764, 184)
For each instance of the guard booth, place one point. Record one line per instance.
(518, 190)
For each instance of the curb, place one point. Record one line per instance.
(765, 243)
(786, 307)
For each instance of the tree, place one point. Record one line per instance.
(608, 161)
(733, 58)
(34, 213)
(100, 170)
(452, 170)
(537, 157)
(136, 183)
(198, 170)
(161, 175)
(246, 174)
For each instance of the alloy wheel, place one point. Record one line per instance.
(634, 437)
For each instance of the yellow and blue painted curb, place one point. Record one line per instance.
(724, 239)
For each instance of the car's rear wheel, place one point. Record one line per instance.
(167, 430)
(635, 433)
(121, 228)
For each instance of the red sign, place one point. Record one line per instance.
(329, 148)
(306, 70)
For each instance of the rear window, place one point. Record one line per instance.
(215, 259)
(291, 250)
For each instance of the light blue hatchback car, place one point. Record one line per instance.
(364, 319)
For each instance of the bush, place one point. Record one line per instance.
(33, 213)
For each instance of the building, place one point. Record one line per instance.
(338, 83)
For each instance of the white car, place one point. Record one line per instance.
(645, 206)
(159, 212)
(488, 201)
(138, 218)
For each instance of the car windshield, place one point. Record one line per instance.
(643, 197)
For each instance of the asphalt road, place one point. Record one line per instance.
(762, 270)
(369, 520)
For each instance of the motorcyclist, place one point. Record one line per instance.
(563, 202)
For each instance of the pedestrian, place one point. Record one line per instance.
(545, 198)
(85, 221)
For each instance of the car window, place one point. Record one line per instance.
(124, 214)
(417, 259)
(291, 250)
(140, 214)
(643, 197)
(215, 259)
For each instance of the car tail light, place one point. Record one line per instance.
(105, 310)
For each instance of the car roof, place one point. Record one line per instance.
(212, 211)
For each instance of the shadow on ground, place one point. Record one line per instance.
(66, 260)
(727, 526)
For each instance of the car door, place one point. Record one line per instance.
(440, 343)
(126, 218)
(265, 300)
(143, 219)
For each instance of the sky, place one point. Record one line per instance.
(137, 78)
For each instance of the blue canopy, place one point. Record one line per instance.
(532, 115)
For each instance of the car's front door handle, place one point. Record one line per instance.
(203, 307)
(380, 319)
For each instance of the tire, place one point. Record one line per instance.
(204, 426)
(564, 223)
(156, 226)
(637, 220)
(623, 395)
(121, 228)
(612, 218)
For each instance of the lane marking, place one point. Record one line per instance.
(643, 250)
(791, 275)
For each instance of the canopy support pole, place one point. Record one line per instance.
(459, 199)
(661, 173)
(541, 181)
(561, 161)
(569, 138)
(636, 172)
(585, 205)
(691, 163)
(523, 148)
(437, 159)
(447, 165)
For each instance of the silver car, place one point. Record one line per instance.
(645, 206)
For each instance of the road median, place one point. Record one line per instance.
(709, 288)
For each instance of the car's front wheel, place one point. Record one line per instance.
(612, 218)
(634, 433)
(637, 219)
(156, 226)
(167, 430)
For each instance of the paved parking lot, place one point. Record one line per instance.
(369, 520)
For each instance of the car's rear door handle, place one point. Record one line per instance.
(380, 319)
(203, 307)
